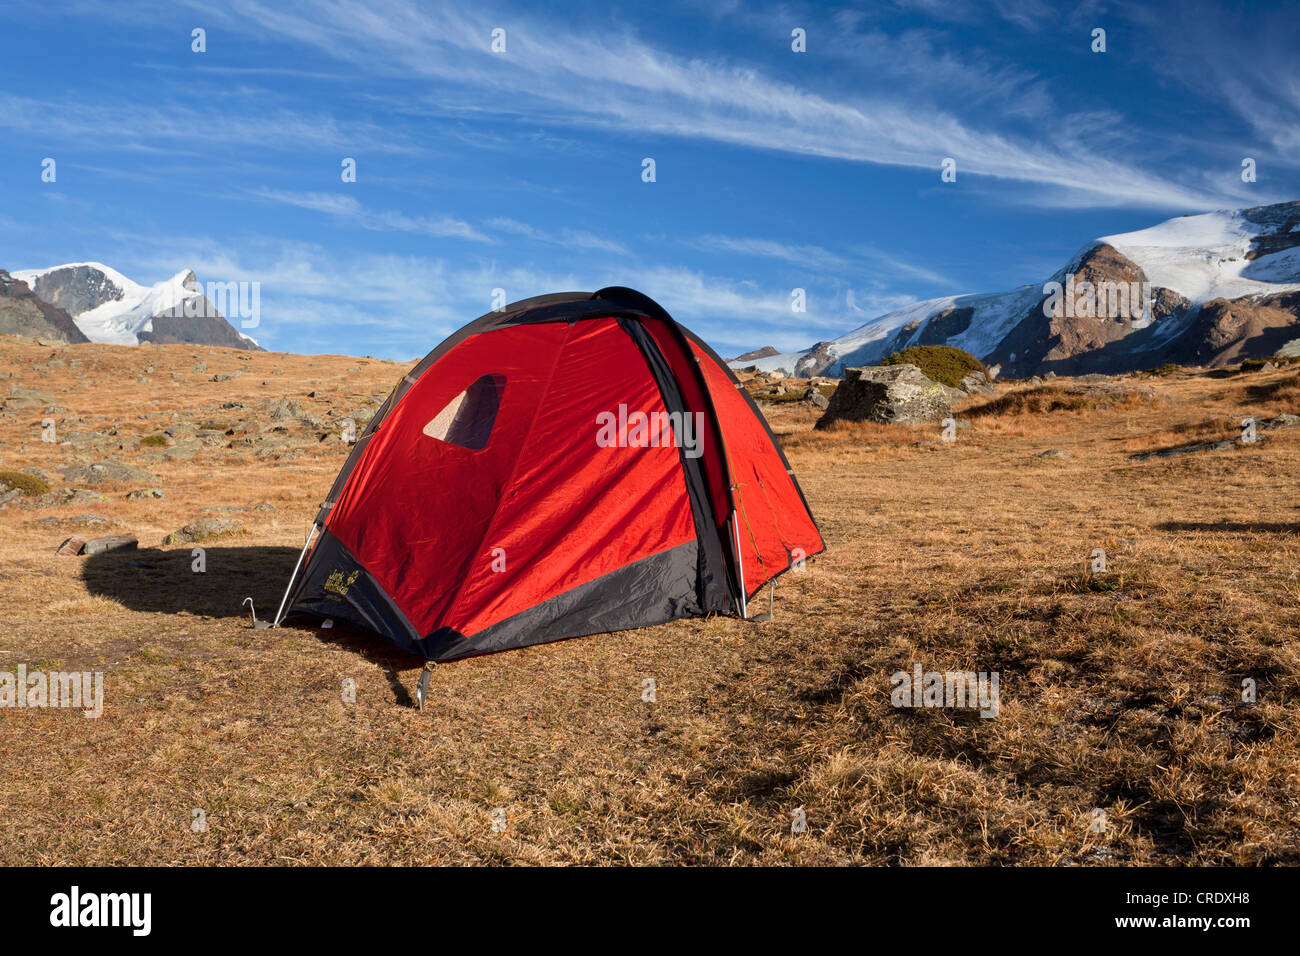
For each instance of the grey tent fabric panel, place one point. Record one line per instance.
(654, 590)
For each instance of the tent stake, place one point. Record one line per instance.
(279, 615)
(771, 605)
(422, 686)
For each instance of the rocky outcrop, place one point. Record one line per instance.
(22, 312)
(76, 289)
(764, 352)
(818, 361)
(946, 325)
(1105, 323)
(888, 394)
(1281, 224)
(176, 328)
(1226, 332)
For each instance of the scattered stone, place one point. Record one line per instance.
(112, 542)
(814, 397)
(283, 409)
(1184, 450)
(72, 546)
(87, 521)
(1282, 421)
(1055, 453)
(143, 493)
(182, 450)
(104, 471)
(204, 529)
(70, 495)
(977, 383)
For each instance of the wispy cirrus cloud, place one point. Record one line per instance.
(563, 236)
(182, 128)
(608, 78)
(380, 220)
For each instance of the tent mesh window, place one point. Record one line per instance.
(468, 418)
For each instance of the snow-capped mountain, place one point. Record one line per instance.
(110, 308)
(1207, 289)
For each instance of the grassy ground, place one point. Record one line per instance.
(1121, 691)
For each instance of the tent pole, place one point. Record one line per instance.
(279, 615)
(740, 563)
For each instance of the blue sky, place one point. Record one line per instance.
(522, 170)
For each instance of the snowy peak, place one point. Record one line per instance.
(111, 309)
(1129, 300)
(1226, 254)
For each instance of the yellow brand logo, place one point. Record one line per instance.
(337, 586)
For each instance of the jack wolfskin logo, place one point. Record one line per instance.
(337, 585)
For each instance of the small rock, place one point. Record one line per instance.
(204, 529)
(141, 493)
(112, 542)
(72, 546)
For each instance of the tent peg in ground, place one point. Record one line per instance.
(771, 606)
(422, 687)
(253, 610)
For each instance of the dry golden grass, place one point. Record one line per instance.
(1119, 690)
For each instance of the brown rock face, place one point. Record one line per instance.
(1226, 332)
(23, 313)
(764, 352)
(945, 325)
(888, 394)
(76, 289)
(176, 328)
(1280, 222)
(1104, 319)
(816, 361)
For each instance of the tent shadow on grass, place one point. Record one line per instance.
(161, 581)
(158, 581)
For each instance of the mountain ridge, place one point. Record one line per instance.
(1201, 289)
(108, 308)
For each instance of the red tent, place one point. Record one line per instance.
(573, 464)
